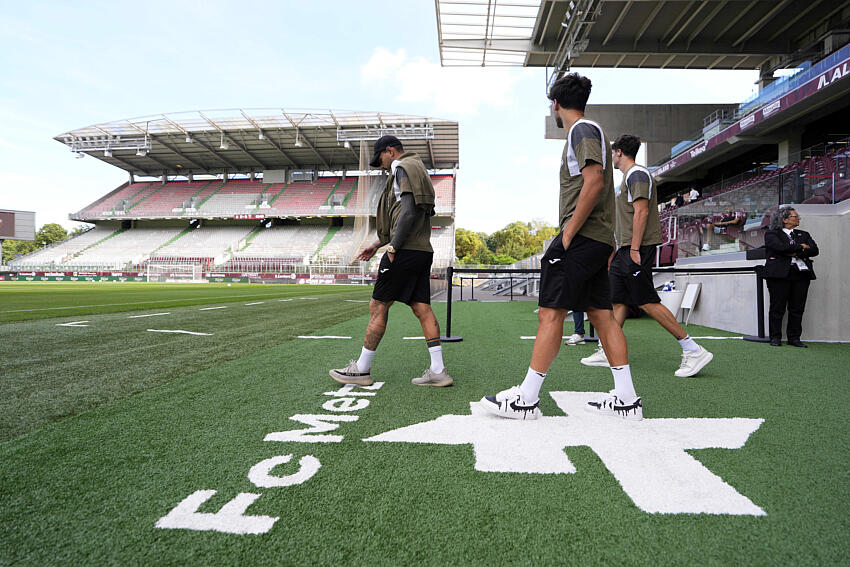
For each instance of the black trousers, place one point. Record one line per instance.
(787, 293)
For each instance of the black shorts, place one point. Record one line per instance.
(576, 278)
(407, 278)
(631, 284)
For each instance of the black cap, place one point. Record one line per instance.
(382, 144)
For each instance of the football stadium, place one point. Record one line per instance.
(165, 397)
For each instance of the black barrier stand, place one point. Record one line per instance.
(591, 337)
(760, 338)
(448, 337)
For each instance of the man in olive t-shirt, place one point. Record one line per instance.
(638, 232)
(574, 269)
(403, 220)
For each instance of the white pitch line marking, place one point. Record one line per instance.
(322, 337)
(210, 308)
(413, 338)
(308, 298)
(148, 315)
(72, 324)
(356, 300)
(179, 331)
(290, 299)
(256, 303)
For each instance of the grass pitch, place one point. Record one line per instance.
(162, 416)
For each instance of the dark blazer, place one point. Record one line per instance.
(779, 251)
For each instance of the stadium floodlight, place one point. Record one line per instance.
(347, 144)
(261, 136)
(141, 152)
(107, 153)
(224, 145)
(298, 143)
(189, 139)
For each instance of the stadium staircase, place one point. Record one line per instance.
(144, 197)
(180, 235)
(278, 194)
(331, 233)
(208, 195)
(90, 246)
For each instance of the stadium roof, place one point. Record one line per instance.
(704, 34)
(259, 139)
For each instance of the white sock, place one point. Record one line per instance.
(688, 344)
(436, 353)
(623, 387)
(364, 363)
(530, 387)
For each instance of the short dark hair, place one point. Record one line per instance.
(627, 144)
(571, 91)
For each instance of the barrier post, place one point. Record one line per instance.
(448, 338)
(760, 338)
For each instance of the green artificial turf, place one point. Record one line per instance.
(89, 489)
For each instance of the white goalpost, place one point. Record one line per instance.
(175, 273)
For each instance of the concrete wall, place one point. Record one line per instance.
(728, 301)
(661, 126)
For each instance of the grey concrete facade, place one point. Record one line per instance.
(661, 126)
(727, 301)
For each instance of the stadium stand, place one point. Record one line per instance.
(198, 203)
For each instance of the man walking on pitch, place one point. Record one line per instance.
(574, 269)
(638, 232)
(404, 221)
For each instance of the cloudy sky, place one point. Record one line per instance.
(66, 65)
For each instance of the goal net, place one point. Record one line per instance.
(175, 273)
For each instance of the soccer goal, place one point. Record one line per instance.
(175, 273)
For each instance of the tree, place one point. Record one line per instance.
(516, 241)
(50, 233)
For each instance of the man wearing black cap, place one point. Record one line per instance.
(404, 221)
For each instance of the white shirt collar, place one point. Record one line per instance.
(787, 231)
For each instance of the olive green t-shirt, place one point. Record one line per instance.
(586, 142)
(415, 180)
(637, 184)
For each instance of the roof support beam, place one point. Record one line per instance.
(217, 155)
(617, 22)
(131, 166)
(795, 19)
(736, 19)
(245, 151)
(174, 149)
(700, 6)
(707, 20)
(305, 140)
(761, 23)
(648, 21)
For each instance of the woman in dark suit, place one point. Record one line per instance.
(788, 271)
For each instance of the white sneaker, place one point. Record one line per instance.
(352, 375)
(612, 406)
(706, 247)
(598, 358)
(693, 362)
(574, 340)
(509, 403)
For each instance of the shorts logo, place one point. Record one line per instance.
(636, 274)
(553, 260)
(385, 270)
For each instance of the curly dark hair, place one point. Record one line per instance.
(571, 91)
(628, 144)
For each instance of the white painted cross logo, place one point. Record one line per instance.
(648, 457)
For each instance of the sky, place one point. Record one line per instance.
(67, 65)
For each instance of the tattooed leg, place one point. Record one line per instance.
(378, 315)
(430, 326)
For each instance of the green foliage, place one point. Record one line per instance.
(50, 233)
(47, 234)
(516, 241)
